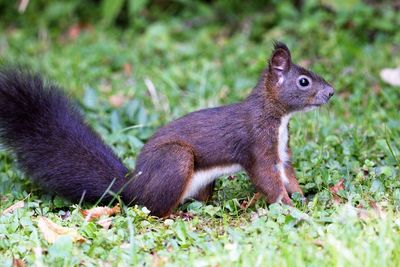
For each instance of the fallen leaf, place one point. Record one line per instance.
(337, 199)
(12, 208)
(243, 204)
(186, 216)
(376, 88)
(105, 223)
(127, 69)
(377, 209)
(363, 214)
(157, 261)
(18, 263)
(319, 243)
(335, 189)
(252, 202)
(53, 231)
(170, 248)
(97, 212)
(117, 100)
(391, 76)
(74, 31)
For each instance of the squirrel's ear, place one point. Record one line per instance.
(280, 60)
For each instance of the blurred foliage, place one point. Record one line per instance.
(138, 14)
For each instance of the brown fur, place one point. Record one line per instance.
(293, 185)
(205, 193)
(55, 147)
(244, 133)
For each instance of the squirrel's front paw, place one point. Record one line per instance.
(284, 198)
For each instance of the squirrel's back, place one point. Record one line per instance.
(51, 141)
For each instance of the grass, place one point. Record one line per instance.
(355, 137)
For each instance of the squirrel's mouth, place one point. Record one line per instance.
(322, 97)
(317, 105)
(320, 100)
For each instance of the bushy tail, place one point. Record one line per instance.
(51, 141)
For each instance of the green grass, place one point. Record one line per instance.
(354, 137)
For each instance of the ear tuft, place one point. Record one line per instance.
(281, 59)
(280, 45)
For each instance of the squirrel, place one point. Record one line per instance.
(56, 148)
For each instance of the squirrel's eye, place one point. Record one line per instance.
(304, 82)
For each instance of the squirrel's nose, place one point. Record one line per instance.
(330, 91)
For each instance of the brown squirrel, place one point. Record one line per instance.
(55, 147)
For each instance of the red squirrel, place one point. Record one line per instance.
(58, 150)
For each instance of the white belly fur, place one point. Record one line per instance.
(202, 178)
(283, 138)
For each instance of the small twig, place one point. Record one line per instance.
(153, 92)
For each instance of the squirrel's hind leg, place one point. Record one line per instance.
(164, 174)
(205, 193)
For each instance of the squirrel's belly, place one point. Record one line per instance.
(283, 138)
(202, 178)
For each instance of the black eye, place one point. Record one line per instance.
(304, 82)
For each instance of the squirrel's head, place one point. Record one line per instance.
(294, 87)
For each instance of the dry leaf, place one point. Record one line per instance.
(105, 223)
(53, 231)
(127, 69)
(186, 216)
(18, 263)
(74, 31)
(97, 212)
(17, 205)
(319, 243)
(377, 209)
(117, 100)
(391, 76)
(374, 213)
(157, 261)
(335, 189)
(376, 88)
(252, 202)
(363, 214)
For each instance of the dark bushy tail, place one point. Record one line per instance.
(51, 141)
